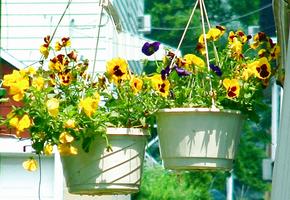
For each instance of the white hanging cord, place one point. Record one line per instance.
(98, 38)
(206, 16)
(206, 50)
(208, 23)
(183, 35)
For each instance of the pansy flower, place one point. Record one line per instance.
(30, 164)
(259, 38)
(214, 34)
(58, 63)
(181, 71)
(67, 149)
(117, 70)
(38, 82)
(17, 82)
(65, 42)
(44, 48)
(160, 85)
(73, 55)
(136, 84)
(192, 59)
(262, 68)
(236, 48)
(233, 87)
(89, 105)
(47, 150)
(65, 77)
(52, 107)
(275, 52)
(70, 123)
(165, 72)
(20, 123)
(150, 48)
(216, 69)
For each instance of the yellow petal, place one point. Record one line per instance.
(48, 149)
(67, 149)
(70, 123)
(30, 165)
(14, 122)
(52, 107)
(24, 123)
(65, 137)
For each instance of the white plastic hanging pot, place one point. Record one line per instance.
(99, 172)
(198, 138)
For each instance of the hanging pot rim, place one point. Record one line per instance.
(198, 109)
(127, 131)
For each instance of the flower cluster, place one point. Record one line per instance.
(233, 76)
(59, 107)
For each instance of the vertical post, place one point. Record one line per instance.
(230, 187)
(281, 177)
(275, 119)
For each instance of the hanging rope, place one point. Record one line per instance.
(209, 26)
(202, 12)
(183, 35)
(98, 38)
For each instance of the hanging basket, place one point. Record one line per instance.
(100, 172)
(198, 138)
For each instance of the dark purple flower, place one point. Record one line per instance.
(181, 71)
(216, 69)
(165, 72)
(149, 48)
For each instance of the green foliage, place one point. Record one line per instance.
(242, 7)
(159, 184)
(248, 164)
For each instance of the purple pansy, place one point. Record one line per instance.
(149, 48)
(216, 69)
(181, 71)
(165, 72)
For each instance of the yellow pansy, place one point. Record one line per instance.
(160, 85)
(65, 78)
(67, 149)
(192, 59)
(65, 137)
(214, 34)
(38, 83)
(117, 69)
(275, 52)
(30, 165)
(262, 52)
(89, 105)
(20, 124)
(57, 46)
(44, 50)
(48, 148)
(136, 84)
(17, 90)
(30, 70)
(52, 107)
(10, 79)
(262, 68)
(70, 123)
(232, 86)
